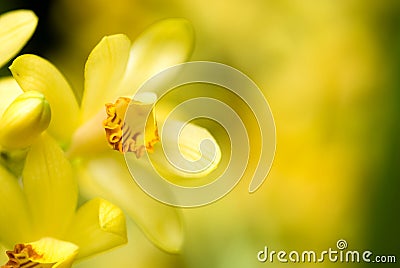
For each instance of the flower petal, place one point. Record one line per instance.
(61, 253)
(98, 226)
(16, 27)
(162, 45)
(35, 73)
(50, 188)
(104, 71)
(193, 159)
(89, 138)
(108, 177)
(45, 253)
(9, 90)
(13, 209)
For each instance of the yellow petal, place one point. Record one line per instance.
(162, 45)
(89, 138)
(9, 90)
(16, 27)
(14, 219)
(107, 176)
(50, 188)
(44, 253)
(61, 253)
(24, 120)
(185, 169)
(98, 226)
(104, 71)
(193, 159)
(35, 73)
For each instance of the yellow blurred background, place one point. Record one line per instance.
(330, 71)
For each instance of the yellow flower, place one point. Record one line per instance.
(113, 73)
(44, 211)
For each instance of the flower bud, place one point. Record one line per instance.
(24, 120)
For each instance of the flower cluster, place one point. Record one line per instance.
(56, 148)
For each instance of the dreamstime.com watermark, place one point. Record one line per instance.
(339, 254)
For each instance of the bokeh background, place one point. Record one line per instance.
(330, 71)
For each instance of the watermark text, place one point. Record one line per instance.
(338, 254)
